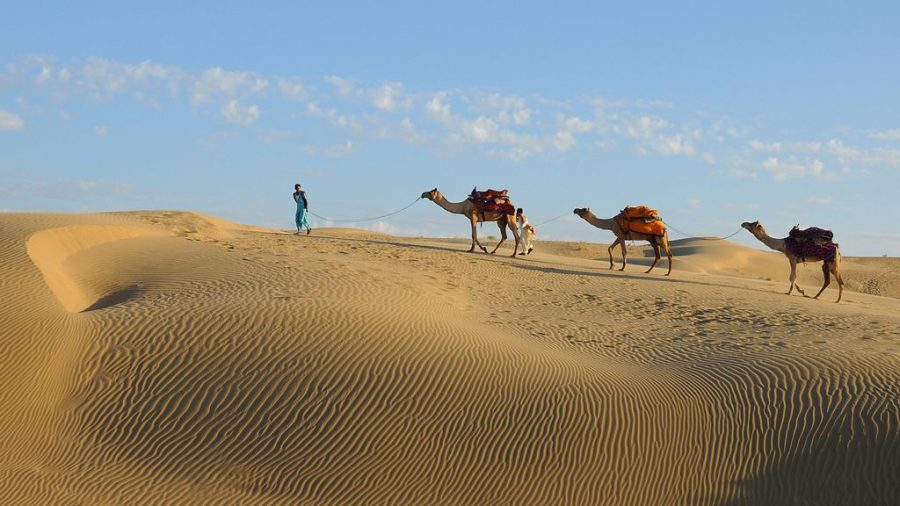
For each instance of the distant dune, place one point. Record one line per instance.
(167, 357)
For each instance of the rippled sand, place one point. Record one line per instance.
(169, 358)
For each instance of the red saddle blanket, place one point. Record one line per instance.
(492, 201)
(641, 219)
(812, 242)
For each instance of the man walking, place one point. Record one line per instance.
(302, 208)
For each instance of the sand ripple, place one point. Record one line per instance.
(254, 367)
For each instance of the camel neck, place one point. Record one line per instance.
(771, 242)
(453, 207)
(604, 223)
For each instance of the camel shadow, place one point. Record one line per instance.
(621, 275)
(408, 245)
(530, 264)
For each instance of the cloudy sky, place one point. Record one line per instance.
(713, 114)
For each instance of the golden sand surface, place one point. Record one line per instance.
(173, 358)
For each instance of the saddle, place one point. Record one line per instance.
(812, 242)
(641, 219)
(641, 212)
(492, 201)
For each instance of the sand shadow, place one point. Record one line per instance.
(408, 245)
(114, 298)
(847, 467)
(653, 277)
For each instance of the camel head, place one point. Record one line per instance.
(754, 227)
(431, 195)
(582, 211)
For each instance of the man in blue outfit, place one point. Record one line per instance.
(302, 207)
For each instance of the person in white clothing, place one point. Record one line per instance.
(526, 231)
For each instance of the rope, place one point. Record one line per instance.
(705, 238)
(367, 219)
(551, 219)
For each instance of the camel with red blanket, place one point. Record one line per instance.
(810, 245)
(481, 207)
(633, 223)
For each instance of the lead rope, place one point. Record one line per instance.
(367, 219)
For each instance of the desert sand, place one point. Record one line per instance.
(175, 358)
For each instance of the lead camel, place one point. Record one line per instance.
(471, 211)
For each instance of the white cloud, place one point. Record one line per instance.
(563, 140)
(218, 82)
(115, 77)
(774, 147)
(791, 169)
(10, 121)
(101, 131)
(481, 130)
(673, 145)
(340, 150)
(887, 135)
(643, 127)
(234, 112)
(389, 97)
(292, 88)
(694, 203)
(577, 125)
(344, 87)
(437, 108)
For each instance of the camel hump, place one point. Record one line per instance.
(812, 242)
(811, 234)
(493, 201)
(489, 194)
(640, 212)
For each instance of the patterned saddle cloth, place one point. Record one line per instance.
(812, 242)
(492, 201)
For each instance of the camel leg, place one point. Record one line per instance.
(502, 236)
(624, 256)
(840, 280)
(609, 250)
(665, 243)
(827, 276)
(794, 278)
(474, 220)
(515, 232)
(656, 252)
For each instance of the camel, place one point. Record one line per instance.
(829, 267)
(621, 236)
(468, 209)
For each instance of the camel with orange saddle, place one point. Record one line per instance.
(634, 223)
(491, 205)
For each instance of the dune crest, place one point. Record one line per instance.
(49, 250)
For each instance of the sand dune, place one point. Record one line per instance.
(170, 357)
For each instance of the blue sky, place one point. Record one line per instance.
(713, 113)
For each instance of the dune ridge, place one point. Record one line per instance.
(256, 367)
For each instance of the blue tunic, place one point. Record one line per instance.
(300, 218)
